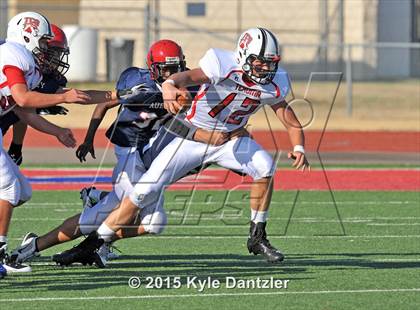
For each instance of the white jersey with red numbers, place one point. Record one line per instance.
(230, 99)
(16, 55)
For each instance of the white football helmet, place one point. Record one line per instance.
(32, 30)
(258, 44)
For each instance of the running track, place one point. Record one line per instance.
(212, 179)
(332, 141)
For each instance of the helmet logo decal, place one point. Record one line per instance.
(30, 25)
(246, 39)
(169, 59)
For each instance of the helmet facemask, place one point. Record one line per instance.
(40, 53)
(56, 60)
(162, 70)
(258, 73)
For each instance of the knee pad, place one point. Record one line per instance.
(25, 191)
(92, 217)
(263, 165)
(154, 222)
(123, 186)
(146, 194)
(11, 193)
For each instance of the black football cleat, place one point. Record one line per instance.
(259, 244)
(84, 253)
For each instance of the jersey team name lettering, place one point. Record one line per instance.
(248, 91)
(156, 105)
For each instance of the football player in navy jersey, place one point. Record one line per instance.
(138, 121)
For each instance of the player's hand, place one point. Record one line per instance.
(66, 137)
(76, 96)
(55, 110)
(211, 137)
(300, 161)
(129, 93)
(240, 132)
(83, 149)
(174, 99)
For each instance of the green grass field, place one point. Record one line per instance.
(373, 264)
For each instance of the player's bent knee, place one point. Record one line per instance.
(263, 165)
(145, 194)
(11, 193)
(26, 193)
(123, 186)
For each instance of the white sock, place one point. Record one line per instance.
(258, 216)
(105, 233)
(3, 239)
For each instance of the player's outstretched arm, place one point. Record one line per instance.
(171, 88)
(111, 97)
(32, 99)
(101, 96)
(96, 119)
(286, 115)
(64, 135)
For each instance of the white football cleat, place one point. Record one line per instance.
(106, 253)
(26, 250)
(16, 268)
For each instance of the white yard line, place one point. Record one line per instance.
(393, 224)
(154, 238)
(199, 295)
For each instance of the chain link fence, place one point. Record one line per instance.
(311, 32)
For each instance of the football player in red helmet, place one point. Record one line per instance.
(56, 57)
(165, 57)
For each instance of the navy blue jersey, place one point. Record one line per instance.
(131, 129)
(51, 83)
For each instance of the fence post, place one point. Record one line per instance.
(349, 82)
(4, 18)
(146, 29)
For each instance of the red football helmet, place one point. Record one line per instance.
(58, 51)
(165, 57)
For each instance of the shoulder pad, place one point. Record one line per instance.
(133, 76)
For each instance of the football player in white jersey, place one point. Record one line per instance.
(20, 63)
(234, 86)
(24, 57)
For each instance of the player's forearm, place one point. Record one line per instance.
(188, 78)
(179, 127)
(296, 136)
(33, 99)
(37, 122)
(100, 96)
(96, 119)
(19, 131)
(292, 124)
